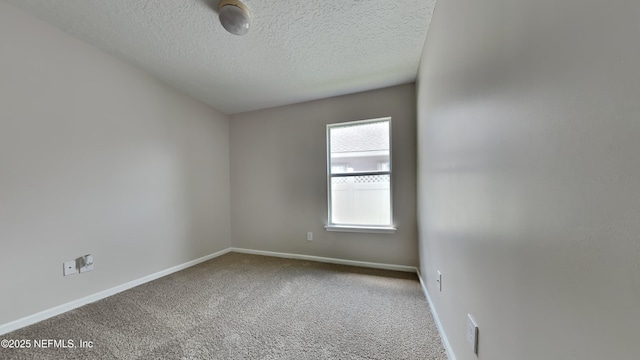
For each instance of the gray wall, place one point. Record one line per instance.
(97, 157)
(279, 183)
(529, 173)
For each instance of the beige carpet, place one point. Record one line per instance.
(250, 307)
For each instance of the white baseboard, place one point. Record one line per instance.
(32, 319)
(443, 335)
(326, 260)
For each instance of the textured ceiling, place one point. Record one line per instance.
(295, 50)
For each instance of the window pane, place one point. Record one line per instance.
(359, 147)
(361, 200)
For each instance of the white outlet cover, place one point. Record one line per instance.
(472, 333)
(85, 263)
(439, 280)
(310, 236)
(69, 268)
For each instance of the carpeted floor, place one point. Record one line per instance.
(241, 306)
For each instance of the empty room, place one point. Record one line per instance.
(353, 179)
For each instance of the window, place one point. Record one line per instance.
(359, 176)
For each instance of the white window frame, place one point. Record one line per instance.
(383, 229)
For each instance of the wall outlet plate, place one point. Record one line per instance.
(85, 263)
(439, 280)
(69, 268)
(472, 333)
(309, 236)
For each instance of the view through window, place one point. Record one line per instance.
(359, 166)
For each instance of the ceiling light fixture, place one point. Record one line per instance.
(234, 16)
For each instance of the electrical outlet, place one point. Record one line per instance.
(85, 263)
(472, 333)
(439, 281)
(69, 268)
(309, 236)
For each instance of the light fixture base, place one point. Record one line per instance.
(234, 16)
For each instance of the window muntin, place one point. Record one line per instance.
(359, 173)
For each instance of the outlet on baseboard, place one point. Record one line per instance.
(472, 333)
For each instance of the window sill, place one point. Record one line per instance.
(361, 229)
